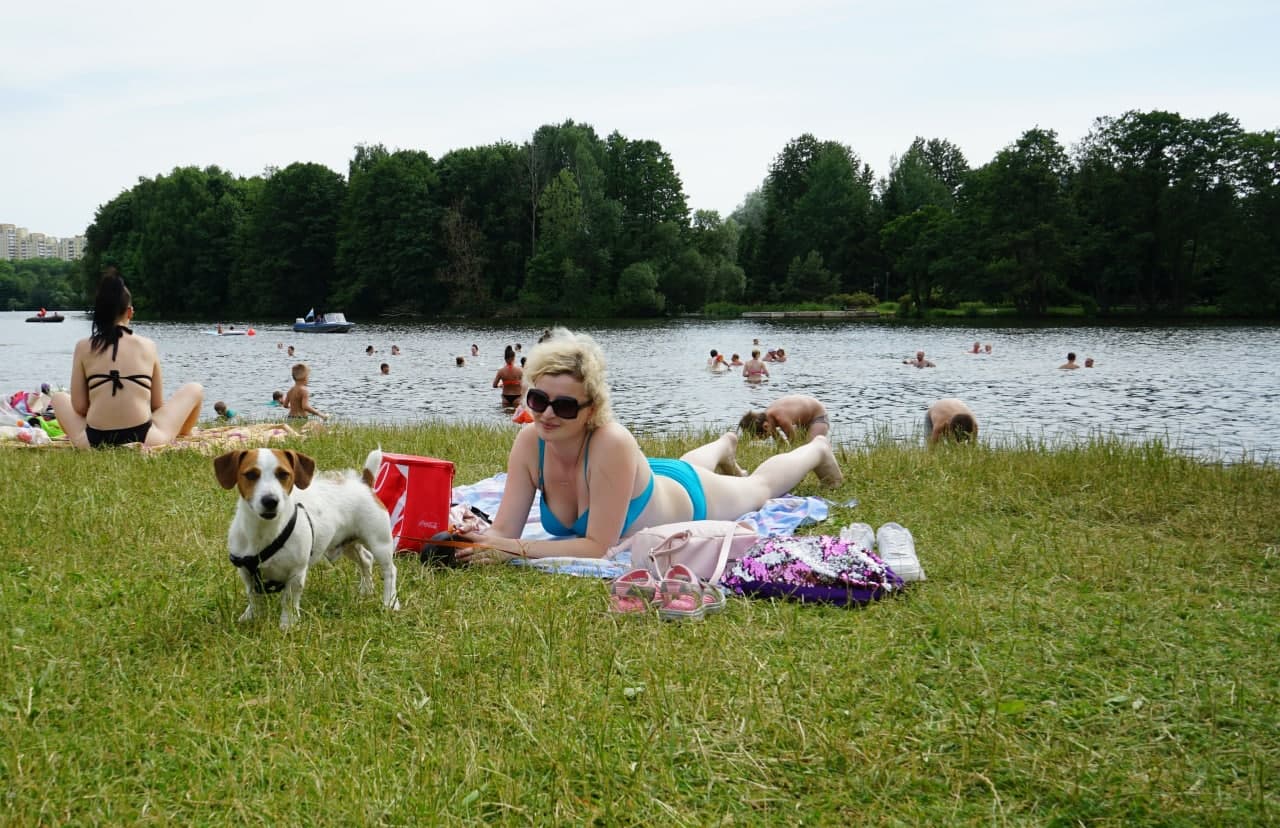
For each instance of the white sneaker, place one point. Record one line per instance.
(860, 535)
(897, 548)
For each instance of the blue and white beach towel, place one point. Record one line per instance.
(780, 516)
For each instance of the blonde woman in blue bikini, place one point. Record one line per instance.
(594, 483)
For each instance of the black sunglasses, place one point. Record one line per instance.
(566, 408)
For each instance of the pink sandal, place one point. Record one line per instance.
(682, 594)
(632, 593)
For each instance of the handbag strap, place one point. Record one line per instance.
(669, 546)
(723, 558)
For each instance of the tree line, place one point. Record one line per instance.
(1151, 210)
(29, 284)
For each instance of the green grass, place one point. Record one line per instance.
(1096, 644)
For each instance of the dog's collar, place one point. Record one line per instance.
(253, 563)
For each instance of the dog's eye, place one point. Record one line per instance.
(282, 475)
(252, 474)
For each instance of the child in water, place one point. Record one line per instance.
(298, 400)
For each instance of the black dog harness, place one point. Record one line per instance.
(253, 563)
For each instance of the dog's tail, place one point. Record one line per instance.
(371, 465)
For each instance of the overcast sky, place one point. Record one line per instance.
(95, 95)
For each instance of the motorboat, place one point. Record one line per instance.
(324, 323)
(48, 317)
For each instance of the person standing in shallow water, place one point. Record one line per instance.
(117, 387)
(919, 361)
(595, 484)
(510, 378)
(754, 369)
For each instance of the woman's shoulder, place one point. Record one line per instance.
(526, 439)
(613, 435)
(140, 342)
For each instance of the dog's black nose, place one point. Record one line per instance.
(269, 503)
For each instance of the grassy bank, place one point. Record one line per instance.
(1096, 644)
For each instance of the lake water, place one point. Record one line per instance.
(1212, 391)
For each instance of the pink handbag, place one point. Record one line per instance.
(705, 546)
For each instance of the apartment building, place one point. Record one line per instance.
(18, 243)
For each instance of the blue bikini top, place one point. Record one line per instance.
(552, 524)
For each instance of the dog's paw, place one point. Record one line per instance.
(394, 605)
(247, 615)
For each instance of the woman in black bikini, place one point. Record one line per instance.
(117, 393)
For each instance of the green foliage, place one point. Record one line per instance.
(487, 228)
(1161, 197)
(817, 198)
(389, 234)
(929, 173)
(686, 281)
(858, 299)
(1021, 198)
(809, 279)
(638, 294)
(1094, 641)
(31, 284)
(1153, 210)
(288, 247)
(186, 225)
(921, 247)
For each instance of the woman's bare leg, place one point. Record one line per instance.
(720, 456)
(729, 497)
(177, 416)
(70, 422)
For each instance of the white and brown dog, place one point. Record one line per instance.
(288, 518)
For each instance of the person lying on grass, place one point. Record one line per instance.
(595, 484)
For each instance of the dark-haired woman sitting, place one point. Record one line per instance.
(117, 393)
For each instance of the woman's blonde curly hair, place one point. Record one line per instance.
(577, 355)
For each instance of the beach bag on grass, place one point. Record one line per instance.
(705, 546)
(417, 492)
(812, 568)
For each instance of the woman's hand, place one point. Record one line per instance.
(487, 551)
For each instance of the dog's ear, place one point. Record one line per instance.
(304, 468)
(227, 468)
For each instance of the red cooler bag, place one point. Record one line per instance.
(416, 492)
